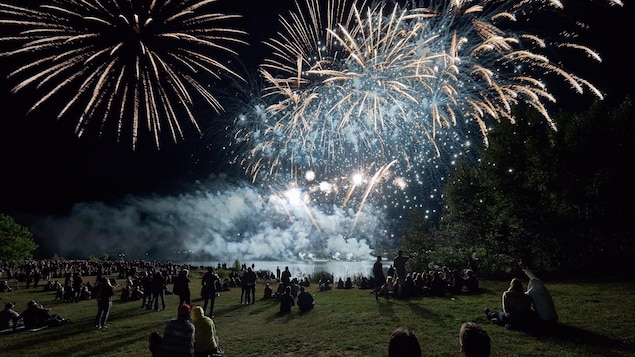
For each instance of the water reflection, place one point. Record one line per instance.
(339, 268)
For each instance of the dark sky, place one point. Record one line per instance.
(45, 168)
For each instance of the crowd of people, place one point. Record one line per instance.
(400, 283)
(149, 281)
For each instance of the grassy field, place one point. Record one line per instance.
(596, 319)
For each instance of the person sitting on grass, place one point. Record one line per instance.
(8, 317)
(386, 290)
(205, 339)
(324, 283)
(541, 298)
(517, 308)
(178, 337)
(348, 284)
(470, 281)
(286, 301)
(340, 284)
(36, 316)
(305, 300)
(4, 287)
(268, 292)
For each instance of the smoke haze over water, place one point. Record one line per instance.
(218, 220)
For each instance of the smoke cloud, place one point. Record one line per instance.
(216, 219)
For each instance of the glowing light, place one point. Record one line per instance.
(355, 84)
(120, 66)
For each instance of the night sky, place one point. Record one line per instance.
(46, 169)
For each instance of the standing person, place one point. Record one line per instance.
(378, 274)
(540, 296)
(403, 343)
(182, 287)
(250, 278)
(78, 282)
(278, 273)
(286, 301)
(400, 268)
(378, 270)
(103, 294)
(158, 290)
(146, 287)
(474, 340)
(517, 310)
(205, 339)
(244, 290)
(286, 277)
(178, 338)
(208, 290)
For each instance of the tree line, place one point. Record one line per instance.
(561, 200)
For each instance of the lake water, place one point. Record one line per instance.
(339, 268)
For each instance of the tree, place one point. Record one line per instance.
(560, 200)
(16, 242)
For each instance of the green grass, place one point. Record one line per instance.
(596, 319)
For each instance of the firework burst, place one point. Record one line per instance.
(126, 66)
(355, 85)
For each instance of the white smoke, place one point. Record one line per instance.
(215, 219)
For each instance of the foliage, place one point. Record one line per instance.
(558, 199)
(16, 242)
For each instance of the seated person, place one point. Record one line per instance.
(470, 281)
(386, 290)
(305, 282)
(286, 301)
(4, 287)
(541, 298)
(279, 292)
(85, 294)
(364, 284)
(36, 316)
(324, 284)
(348, 284)
(340, 284)
(517, 308)
(268, 294)
(125, 293)
(305, 300)
(437, 285)
(8, 317)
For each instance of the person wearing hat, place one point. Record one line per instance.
(8, 317)
(178, 338)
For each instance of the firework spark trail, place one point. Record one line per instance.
(352, 83)
(375, 179)
(141, 64)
